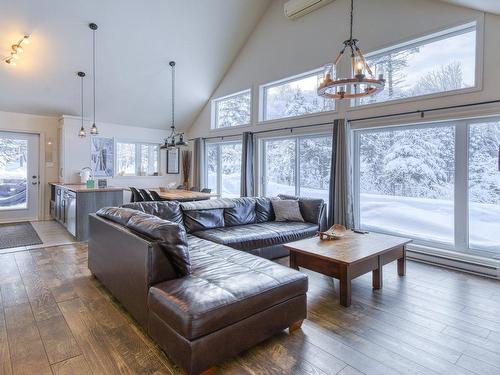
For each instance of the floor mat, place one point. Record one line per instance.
(18, 234)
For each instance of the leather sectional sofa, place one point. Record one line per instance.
(187, 272)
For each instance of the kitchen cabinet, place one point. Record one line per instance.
(71, 204)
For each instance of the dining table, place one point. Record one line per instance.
(184, 195)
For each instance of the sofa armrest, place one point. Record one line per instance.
(127, 264)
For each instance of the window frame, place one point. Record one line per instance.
(262, 157)
(263, 98)
(137, 158)
(219, 163)
(425, 38)
(213, 108)
(461, 240)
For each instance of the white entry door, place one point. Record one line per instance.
(19, 176)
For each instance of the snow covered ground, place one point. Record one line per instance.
(430, 219)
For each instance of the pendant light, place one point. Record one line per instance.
(93, 27)
(81, 133)
(175, 139)
(362, 82)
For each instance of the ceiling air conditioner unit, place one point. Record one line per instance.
(297, 8)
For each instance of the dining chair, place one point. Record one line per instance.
(135, 196)
(155, 196)
(180, 187)
(145, 195)
(206, 190)
(194, 188)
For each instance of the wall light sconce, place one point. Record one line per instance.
(17, 50)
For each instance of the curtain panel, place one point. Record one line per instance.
(198, 156)
(340, 205)
(247, 171)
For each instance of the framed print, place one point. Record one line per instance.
(102, 156)
(173, 161)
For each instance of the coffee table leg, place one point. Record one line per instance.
(293, 261)
(402, 264)
(345, 286)
(377, 275)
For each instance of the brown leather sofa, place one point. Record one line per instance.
(202, 296)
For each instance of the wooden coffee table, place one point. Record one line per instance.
(349, 257)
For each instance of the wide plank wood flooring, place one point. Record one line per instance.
(55, 318)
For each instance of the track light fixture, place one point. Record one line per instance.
(17, 49)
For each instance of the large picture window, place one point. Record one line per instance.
(414, 181)
(232, 110)
(137, 159)
(297, 166)
(223, 168)
(292, 97)
(436, 63)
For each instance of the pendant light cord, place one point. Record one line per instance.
(93, 67)
(81, 84)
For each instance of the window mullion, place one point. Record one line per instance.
(461, 186)
(297, 167)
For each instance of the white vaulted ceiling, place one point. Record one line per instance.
(491, 6)
(135, 41)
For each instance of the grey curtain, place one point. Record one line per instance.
(247, 181)
(340, 205)
(198, 153)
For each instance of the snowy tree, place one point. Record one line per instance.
(413, 166)
(484, 176)
(297, 105)
(445, 78)
(233, 111)
(315, 162)
(12, 151)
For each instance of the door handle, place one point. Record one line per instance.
(34, 183)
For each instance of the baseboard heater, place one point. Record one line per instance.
(457, 261)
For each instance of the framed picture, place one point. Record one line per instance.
(173, 161)
(102, 156)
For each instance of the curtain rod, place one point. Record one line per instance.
(421, 112)
(291, 128)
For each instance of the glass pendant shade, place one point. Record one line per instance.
(93, 130)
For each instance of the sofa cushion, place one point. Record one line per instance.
(310, 208)
(243, 212)
(263, 210)
(170, 210)
(224, 287)
(171, 237)
(196, 220)
(254, 236)
(118, 215)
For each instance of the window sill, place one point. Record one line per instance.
(221, 130)
(294, 118)
(438, 95)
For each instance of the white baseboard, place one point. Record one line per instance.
(454, 260)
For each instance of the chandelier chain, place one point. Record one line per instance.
(173, 96)
(352, 19)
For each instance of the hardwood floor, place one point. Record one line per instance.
(56, 319)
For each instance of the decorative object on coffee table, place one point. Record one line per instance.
(334, 233)
(349, 257)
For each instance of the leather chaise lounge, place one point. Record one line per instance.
(187, 272)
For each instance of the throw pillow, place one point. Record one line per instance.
(287, 210)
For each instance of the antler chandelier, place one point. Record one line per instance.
(363, 83)
(171, 141)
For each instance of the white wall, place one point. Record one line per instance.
(279, 48)
(46, 127)
(76, 152)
